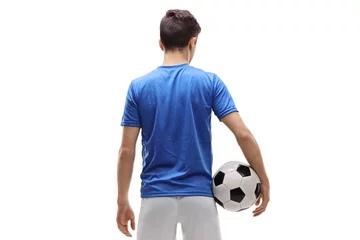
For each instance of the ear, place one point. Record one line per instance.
(192, 42)
(161, 45)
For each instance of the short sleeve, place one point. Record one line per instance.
(131, 116)
(223, 103)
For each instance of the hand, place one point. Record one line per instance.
(124, 215)
(264, 198)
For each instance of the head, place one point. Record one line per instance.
(179, 31)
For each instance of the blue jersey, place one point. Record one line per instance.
(173, 106)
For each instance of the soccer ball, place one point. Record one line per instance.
(236, 186)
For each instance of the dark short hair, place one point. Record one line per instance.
(177, 27)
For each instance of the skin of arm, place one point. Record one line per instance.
(126, 158)
(248, 145)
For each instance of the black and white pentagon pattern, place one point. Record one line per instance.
(248, 186)
(237, 195)
(219, 178)
(236, 186)
(232, 179)
(221, 193)
(243, 170)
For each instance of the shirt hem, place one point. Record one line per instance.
(177, 194)
(126, 124)
(227, 113)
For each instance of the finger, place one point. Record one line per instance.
(258, 201)
(258, 214)
(127, 229)
(259, 210)
(133, 223)
(262, 206)
(125, 226)
(124, 229)
(121, 228)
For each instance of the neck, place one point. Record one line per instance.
(175, 58)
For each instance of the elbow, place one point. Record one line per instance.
(126, 152)
(125, 149)
(243, 135)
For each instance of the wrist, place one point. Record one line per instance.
(122, 201)
(265, 183)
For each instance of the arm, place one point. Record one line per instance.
(132, 123)
(248, 145)
(126, 159)
(224, 108)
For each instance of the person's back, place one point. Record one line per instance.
(173, 106)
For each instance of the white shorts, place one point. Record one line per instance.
(160, 216)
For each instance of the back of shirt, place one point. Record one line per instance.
(173, 106)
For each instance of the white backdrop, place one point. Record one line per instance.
(292, 67)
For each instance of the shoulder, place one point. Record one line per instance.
(146, 77)
(143, 80)
(210, 76)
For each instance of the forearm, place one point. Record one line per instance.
(124, 174)
(252, 154)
